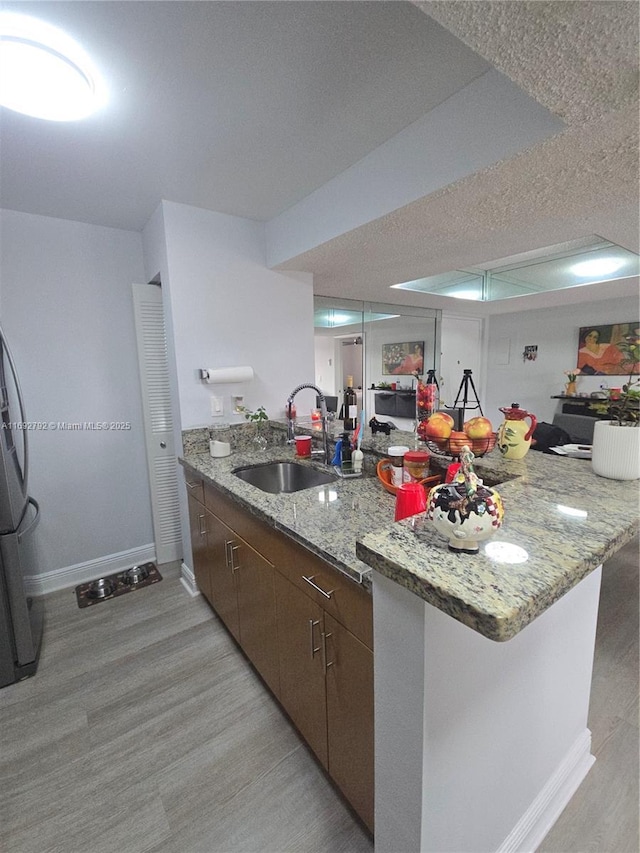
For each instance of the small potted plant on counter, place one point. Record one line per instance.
(616, 439)
(259, 419)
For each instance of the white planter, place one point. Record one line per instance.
(616, 451)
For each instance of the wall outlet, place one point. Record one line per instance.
(217, 407)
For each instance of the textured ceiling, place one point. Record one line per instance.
(575, 57)
(579, 59)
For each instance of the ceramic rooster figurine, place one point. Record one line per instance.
(465, 510)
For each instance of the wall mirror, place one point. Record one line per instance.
(379, 345)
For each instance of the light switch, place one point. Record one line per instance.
(217, 407)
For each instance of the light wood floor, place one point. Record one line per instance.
(602, 817)
(145, 730)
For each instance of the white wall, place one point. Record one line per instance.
(555, 331)
(430, 153)
(462, 349)
(226, 308)
(67, 312)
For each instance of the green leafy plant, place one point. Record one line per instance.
(258, 417)
(623, 409)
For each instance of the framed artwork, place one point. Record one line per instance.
(403, 359)
(609, 350)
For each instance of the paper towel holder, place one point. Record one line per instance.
(226, 375)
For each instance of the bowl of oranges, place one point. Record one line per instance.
(439, 434)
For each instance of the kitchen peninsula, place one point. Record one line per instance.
(479, 744)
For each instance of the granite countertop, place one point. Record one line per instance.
(350, 524)
(325, 519)
(563, 519)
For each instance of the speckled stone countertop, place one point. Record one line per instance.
(564, 520)
(350, 524)
(326, 519)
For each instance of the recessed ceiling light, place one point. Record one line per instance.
(44, 73)
(597, 266)
(465, 294)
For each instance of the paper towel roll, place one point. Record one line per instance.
(226, 375)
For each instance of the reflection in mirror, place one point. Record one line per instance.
(402, 343)
(339, 346)
(379, 345)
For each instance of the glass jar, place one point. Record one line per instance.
(416, 465)
(396, 455)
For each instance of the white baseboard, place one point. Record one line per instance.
(535, 823)
(71, 576)
(188, 580)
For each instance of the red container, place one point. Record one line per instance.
(411, 499)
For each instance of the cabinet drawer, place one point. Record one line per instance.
(343, 598)
(194, 486)
(262, 538)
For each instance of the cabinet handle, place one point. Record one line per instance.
(313, 649)
(327, 663)
(227, 560)
(192, 485)
(232, 563)
(315, 586)
(201, 531)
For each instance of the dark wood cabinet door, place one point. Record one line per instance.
(199, 551)
(224, 598)
(350, 717)
(302, 682)
(257, 612)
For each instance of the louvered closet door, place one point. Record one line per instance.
(158, 423)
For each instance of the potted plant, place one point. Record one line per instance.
(572, 375)
(616, 438)
(258, 418)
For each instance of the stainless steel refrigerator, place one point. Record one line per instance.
(20, 616)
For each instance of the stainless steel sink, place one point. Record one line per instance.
(279, 477)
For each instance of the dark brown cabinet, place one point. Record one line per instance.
(306, 628)
(222, 546)
(239, 584)
(198, 529)
(302, 672)
(325, 632)
(350, 716)
(255, 579)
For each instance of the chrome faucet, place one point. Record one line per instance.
(323, 418)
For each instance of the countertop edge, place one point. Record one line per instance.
(362, 578)
(497, 628)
